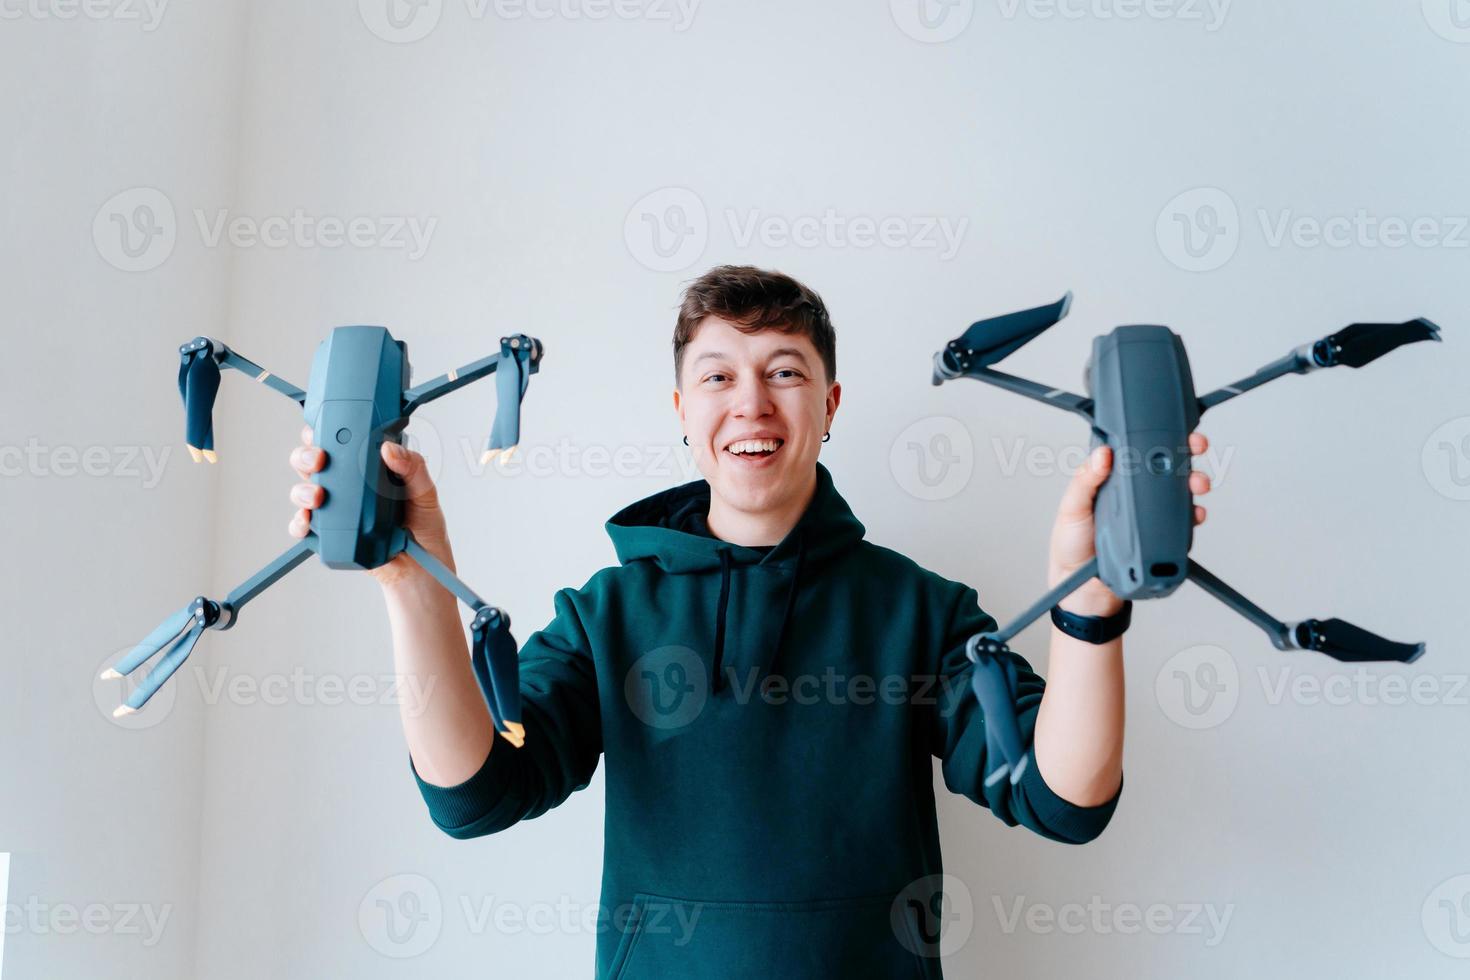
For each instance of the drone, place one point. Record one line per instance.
(1142, 403)
(357, 399)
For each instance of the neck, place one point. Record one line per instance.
(758, 529)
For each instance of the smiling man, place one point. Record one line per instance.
(768, 688)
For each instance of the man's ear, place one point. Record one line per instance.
(678, 405)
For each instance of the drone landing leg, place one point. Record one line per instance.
(994, 681)
(493, 653)
(1336, 638)
(182, 630)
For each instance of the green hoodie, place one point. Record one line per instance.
(778, 822)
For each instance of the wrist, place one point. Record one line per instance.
(1091, 599)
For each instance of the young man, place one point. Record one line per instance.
(768, 688)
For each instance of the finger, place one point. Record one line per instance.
(1199, 514)
(306, 435)
(1077, 501)
(1199, 482)
(410, 468)
(1198, 443)
(308, 495)
(299, 524)
(306, 460)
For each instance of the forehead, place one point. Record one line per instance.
(716, 337)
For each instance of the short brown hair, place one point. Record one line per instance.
(754, 299)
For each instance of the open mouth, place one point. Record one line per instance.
(754, 450)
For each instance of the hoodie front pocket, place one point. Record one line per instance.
(687, 939)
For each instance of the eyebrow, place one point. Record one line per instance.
(719, 355)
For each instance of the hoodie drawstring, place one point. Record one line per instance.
(716, 683)
(790, 600)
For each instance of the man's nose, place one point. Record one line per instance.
(752, 399)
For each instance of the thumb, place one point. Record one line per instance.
(1078, 500)
(410, 467)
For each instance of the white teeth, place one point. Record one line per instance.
(754, 446)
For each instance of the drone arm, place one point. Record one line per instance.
(493, 655)
(1278, 631)
(1055, 397)
(1033, 612)
(228, 358)
(1352, 346)
(1298, 361)
(182, 630)
(470, 373)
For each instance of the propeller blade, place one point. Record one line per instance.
(987, 342)
(162, 671)
(1343, 641)
(1363, 343)
(994, 683)
(200, 387)
(168, 630)
(511, 379)
(497, 668)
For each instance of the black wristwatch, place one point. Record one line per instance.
(1093, 629)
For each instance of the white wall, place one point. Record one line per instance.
(108, 525)
(1321, 830)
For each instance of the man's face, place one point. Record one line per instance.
(769, 387)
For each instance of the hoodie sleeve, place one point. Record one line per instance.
(559, 708)
(960, 740)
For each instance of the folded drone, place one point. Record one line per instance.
(357, 399)
(1141, 402)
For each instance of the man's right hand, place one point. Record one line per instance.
(423, 518)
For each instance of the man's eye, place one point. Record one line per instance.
(791, 371)
(713, 377)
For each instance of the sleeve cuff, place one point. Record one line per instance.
(455, 807)
(1075, 824)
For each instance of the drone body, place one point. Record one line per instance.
(357, 398)
(1142, 403)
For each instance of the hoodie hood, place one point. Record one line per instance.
(669, 530)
